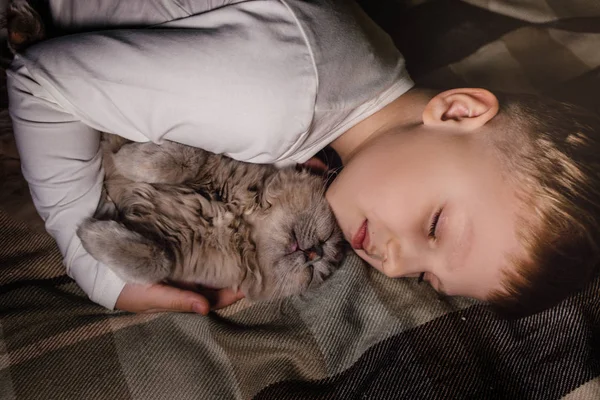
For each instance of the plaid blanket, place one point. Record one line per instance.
(361, 335)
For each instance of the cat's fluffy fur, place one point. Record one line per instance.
(184, 214)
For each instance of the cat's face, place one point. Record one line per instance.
(299, 243)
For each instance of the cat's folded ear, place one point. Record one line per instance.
(272, 190)
(281, 183)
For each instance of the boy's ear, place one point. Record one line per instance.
(466, 109)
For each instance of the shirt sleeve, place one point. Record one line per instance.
(87, 15)
(238, 80)
(61, 161)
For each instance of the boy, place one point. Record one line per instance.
(482, 195)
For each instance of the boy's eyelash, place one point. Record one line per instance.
(434, 222)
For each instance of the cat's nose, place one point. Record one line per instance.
(314, 252)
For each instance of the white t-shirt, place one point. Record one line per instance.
(265, 81)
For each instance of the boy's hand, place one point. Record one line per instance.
(164, 298)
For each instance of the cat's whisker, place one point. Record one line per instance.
(310, 263)
(279, 287)
(330, 175)
(329, 236)
(279, 291)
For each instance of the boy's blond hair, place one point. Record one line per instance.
(551, 151)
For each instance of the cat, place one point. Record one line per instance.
(178, 213)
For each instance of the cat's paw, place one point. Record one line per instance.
(24, 25)
(130, 255)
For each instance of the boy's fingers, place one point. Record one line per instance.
(219, 298)
(164, 298)
(225, 297)
(160, 298)
(174, 299)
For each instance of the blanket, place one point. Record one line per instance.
(360, 335)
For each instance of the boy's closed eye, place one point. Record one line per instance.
(435, 219)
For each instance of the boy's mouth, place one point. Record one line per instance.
(361, 237)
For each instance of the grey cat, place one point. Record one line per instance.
(173, 212)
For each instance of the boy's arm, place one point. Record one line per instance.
(62, 163)
(77, 14)
(238, 80)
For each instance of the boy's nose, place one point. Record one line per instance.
(393, 265)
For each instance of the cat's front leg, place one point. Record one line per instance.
(133, 257)
(170, 162)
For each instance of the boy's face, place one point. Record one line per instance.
(432, 201)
